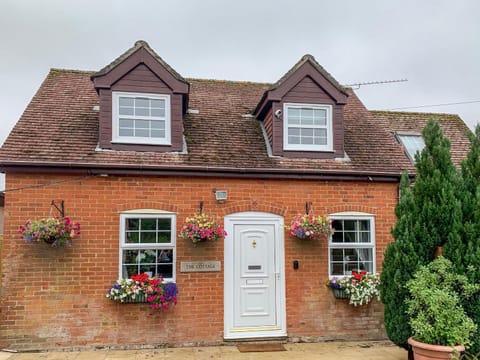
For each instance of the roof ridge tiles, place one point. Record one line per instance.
(243, 82)
(413, 113)
(71, 71)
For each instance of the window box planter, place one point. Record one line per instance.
(360, 288)
(340, 294)
(140, 298)
(154, 291)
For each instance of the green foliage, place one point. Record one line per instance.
(428, 215)
(464, 251)
(437, 209)
(392, 291)
(442, 207)
(435, 310)
(399, 264)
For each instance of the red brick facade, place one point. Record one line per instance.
(56, 297)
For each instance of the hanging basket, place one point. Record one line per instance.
(201, 228)
(309, 227)
(55, 231)
(50, 239)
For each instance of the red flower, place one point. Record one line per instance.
(358, 276)
(140, 278)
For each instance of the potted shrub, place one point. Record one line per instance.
(56, 231)
(310, 227)
(201, 227)
(441, 329)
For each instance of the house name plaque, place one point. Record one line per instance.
(200, 266)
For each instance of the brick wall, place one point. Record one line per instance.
(56, 297)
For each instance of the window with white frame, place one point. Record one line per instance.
(307, 127)
(141, 118)
(147, 244)
(412, 143)
(352, 245)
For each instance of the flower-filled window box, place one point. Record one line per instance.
(56, 231)
(310, 227)
(143, 289)
(201, 227)
(360, 288)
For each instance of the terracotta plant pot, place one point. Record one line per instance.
(422, 351)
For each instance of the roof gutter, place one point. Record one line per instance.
(197, 171)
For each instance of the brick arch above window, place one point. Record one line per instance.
(353, 208)
(142, 206)
(254, 205)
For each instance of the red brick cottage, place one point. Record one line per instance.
(136, 143)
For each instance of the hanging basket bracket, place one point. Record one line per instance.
(60, 209)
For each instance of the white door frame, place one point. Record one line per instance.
(254, 218)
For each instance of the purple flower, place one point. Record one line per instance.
(299, 233)
(171, 290)
(334, 284)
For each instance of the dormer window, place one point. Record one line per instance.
(307, 127)
(139, 118)
(412, 143)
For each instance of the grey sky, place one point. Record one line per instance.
(435, 44)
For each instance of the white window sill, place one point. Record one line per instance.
(139, 142)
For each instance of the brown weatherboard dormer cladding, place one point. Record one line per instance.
(140, 70)
(306, 83)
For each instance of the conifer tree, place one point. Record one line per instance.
(428, 215)
(400, 262)
(464, 250)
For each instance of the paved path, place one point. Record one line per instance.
(367, 350)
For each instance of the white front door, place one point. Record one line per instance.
(254, 276)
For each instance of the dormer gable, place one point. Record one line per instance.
(142, 102)
(303, 113)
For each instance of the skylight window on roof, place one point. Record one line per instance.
(412, 144)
